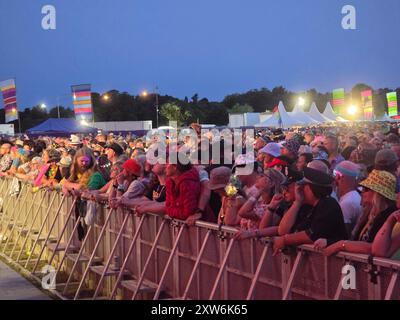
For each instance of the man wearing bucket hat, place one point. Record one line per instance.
(325, 218)
(382, 184)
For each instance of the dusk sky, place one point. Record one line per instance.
(209, 47)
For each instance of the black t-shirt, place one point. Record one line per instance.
(370, 233)
(159, 193)
(325, 221)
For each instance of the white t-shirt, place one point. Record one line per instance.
(351, 207)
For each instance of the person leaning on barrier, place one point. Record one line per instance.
(49, 174)
(83, 173)
(128, 186)
(253, 210)
(5, 160)
(31, 171)
(103, 193)
(231, 198)
(183, 190)
(382, 184)
(276, 209)
(324, 220)
(387, 240)
(157, 203)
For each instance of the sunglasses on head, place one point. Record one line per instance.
(337, 174)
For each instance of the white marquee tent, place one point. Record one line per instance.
(299, 115)
(328, 113)
(315, 114)
(286, 121)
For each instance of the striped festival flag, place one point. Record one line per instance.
(9, 91)
(392, 104)
(338, 101)
(366, 98)
(82, 99)
(277, 115)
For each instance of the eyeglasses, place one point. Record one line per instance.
(362, 189)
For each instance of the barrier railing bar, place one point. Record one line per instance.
(153, 248)
(5, 207)
(76, 262)
(391, 286)
(257, 273)
(40, 232)
(172, 254)
(19, 210)
(127, 256)
(111, 255)
(10, 216)
(28, 234)
(197, 264)
(71, 238)
(296, 267)
(23, 224)
(111, 210)
(221, 270)
(50, 231)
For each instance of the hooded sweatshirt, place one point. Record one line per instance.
(183, 195)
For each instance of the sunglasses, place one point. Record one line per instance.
(337, 174)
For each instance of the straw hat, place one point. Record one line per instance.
(381, 182)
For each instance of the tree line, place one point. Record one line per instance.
(122, 106)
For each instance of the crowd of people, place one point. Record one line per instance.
(336, 188)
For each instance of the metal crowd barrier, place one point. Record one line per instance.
(123, 256)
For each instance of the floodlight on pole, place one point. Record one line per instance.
(43, 106)
(301, 101)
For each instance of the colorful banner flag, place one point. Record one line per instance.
(366, 99)
(277, 115)
(9, 91)
(82, 99)
(338, 101)
(392, 104)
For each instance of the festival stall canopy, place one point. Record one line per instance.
(60, 127)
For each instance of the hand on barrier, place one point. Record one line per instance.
(116, 202)
(244, 234)
(279, 244)
(191, 220)
(334, 248)
(320, 244)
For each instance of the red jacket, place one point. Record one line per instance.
(183, 195)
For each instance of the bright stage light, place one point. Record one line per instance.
(352, 110)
